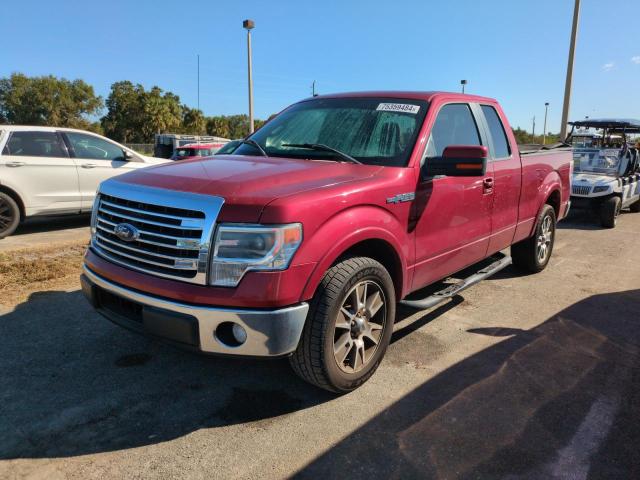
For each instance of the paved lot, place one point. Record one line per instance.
(521, 377)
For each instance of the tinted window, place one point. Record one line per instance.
(454, 125)
(88, 146)
(34, 144)
(500, 143)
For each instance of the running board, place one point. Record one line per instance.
(456, 288)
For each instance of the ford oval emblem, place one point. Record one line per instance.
(126, 232)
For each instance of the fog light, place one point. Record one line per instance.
(239, 333)
(230, 334)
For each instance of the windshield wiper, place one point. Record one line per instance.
(323, 148)
(255, 144)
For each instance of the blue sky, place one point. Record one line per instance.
(515, 51)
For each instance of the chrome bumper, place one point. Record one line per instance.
(270, 333)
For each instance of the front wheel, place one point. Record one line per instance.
(609, 211)
(533, 254)
(348, 327)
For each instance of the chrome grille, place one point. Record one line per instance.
(173, 230)
(581, 190)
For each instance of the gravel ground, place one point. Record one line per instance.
(520, 377)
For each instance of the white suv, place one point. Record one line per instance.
(51, 171)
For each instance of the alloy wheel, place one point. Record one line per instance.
(544, 239)
(359, 326)
(6, 215)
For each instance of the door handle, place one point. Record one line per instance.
(88, 165)
(16, 164)
(487, 185)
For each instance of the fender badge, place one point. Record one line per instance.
(402, 197)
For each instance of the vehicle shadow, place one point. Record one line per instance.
(74, 384)
(558, 401)
(49, 224)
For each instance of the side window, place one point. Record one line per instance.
(501, 147)
(88, 146)
(34, 144)
(454, 125)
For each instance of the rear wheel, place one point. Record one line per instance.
(533, 254)
(609, 211)
(9, 215)
(348, 326)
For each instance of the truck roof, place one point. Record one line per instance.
(413, 95)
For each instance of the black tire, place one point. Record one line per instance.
(635, 207)
(609, 211)
(9, 215)
(314, 359)
(526, 254)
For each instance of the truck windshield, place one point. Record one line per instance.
(596, 161)
(373, 130)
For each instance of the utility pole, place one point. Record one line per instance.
(533, 130)
(313, 88)
(249, 25)
(544, 133)
(567, 85)
(198, 81)
(463, 83)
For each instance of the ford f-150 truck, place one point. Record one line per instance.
(301, 243)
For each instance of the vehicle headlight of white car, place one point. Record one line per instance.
(242, 248)
(601, 188)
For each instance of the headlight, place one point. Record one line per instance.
(241, 248)
(600, 188)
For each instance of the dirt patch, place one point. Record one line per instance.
(25, 271)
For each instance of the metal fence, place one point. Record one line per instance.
(143, 148)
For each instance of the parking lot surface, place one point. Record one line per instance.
(530, 377)
(46, 231)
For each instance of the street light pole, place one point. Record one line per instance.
(198, 81)
(567, 85)
(463, 83)
(248, 25)
(533, 130)
(544, 133)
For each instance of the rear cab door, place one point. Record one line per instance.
(507, 175)
(36, 164)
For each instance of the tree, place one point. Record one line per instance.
(47, 100)
(162, 113)
(123, 121)
(218, 126)
(193, 121)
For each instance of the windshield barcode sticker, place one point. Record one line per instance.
(398, 107)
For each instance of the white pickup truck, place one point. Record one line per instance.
(53, 171)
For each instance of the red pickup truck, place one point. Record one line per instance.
(301, 243)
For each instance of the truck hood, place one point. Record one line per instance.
(247, 183)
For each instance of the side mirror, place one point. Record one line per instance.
(128, 155)
(458, 161)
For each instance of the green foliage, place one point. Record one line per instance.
(47, 100)
(522, 137)
(133, 114)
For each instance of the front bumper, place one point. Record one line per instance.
(270, 333)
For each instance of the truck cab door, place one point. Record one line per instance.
(453, 214)
(507, 179)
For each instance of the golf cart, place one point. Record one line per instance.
(606, 175)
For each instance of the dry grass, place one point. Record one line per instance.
(25, 271)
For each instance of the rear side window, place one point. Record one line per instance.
(34, 144)
(500, 143)
(454, 125)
